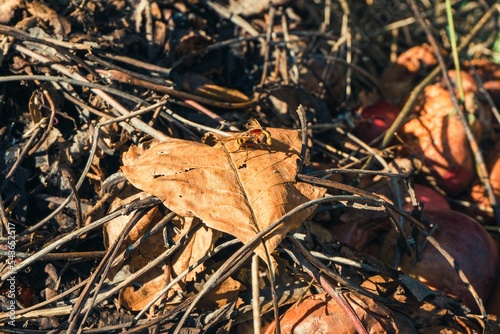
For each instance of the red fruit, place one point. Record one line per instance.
(467, 242)
(493, 304)
(320, 314)
(364, 233)
(431, 199)
(376, 119)
(437, 135)
(494, 170)
(489, 72)
(477, 193)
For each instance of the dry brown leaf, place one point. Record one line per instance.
(114, 227)
(219, 93)
(190, 43)
(196, 247)
(7, 10)
(225, 293)
(252, 7)
(136, 298)
(202, 86)
(237, 191)
(62, 27)
(147, 251)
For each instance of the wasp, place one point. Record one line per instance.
(255, 137)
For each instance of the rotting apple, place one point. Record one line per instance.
(438, 136)
(472, 248)
(493, 302)
(366, 232)
(376, 119)
(481, 203)
(362, 235)
(321, 314)
(489, 72)
(430, 198)
(399, 78)
(494, 170)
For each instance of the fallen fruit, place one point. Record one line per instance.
(399, 78)
(376, 119)
(489, 72)
(472, 248)
(493, 165)
(493, 303)
(477, 195)
(320, 314)
(431, 199)
(438, 136)
(362, 235)
(366, 235)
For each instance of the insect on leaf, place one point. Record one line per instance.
(235, 190)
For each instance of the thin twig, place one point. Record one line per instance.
(266, 49)
(304, 155)
(76, 82)
(122, 110)
(101, 271)
(238, 258)
(39, 127)
(50, 122)
(257, 325)
(236, 19)
(181, 276)
(59, 242)
(130, 80)
(86, 169)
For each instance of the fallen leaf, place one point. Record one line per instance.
(202, 86)
(61, 26)
(7, 10)
(114, 227)
(227, 292)
(191, 43)
(147, 287)
(252, 7)
(233, 190)
(195, 247)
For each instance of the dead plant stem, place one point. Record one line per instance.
(140, 125)
(257, 325)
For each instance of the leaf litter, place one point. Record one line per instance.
(129, 116)
(232, 190)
